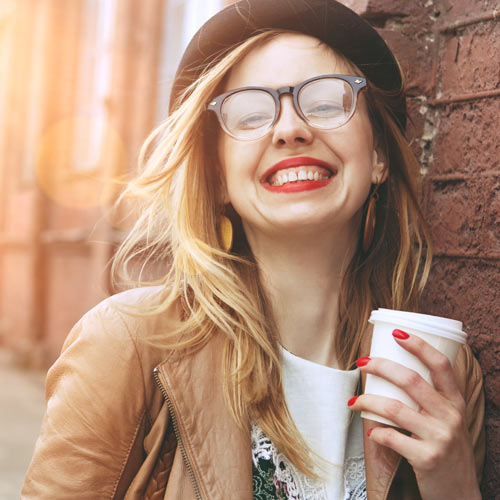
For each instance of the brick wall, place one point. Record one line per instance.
(450, 52)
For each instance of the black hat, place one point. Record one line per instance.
(328, 20)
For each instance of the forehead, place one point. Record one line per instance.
(287, 59)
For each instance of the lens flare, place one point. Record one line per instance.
(78, 161)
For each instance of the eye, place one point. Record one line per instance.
(324, 109)
(254, 120)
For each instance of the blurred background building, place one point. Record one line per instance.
(83, 82)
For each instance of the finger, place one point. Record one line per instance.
(414, 450)
(431, 401)
(439, 365)
(402, 415)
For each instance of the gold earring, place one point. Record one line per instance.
(370, 220)
(226, 233)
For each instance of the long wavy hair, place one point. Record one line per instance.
(179, 188)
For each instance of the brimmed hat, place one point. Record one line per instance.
(328, 20)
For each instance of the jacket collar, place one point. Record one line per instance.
(218, 450)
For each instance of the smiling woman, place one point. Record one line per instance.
(284, 194)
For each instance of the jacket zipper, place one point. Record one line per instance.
(177, 434)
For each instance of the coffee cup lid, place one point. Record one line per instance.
(426, 323)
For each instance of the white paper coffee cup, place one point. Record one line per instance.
(444, 334)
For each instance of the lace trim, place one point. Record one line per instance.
(354, 478)
(286, 479)
(291, 484)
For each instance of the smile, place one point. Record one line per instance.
(301, 173)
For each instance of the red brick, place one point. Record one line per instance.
(464, 215)
(467, 140)
(468, 290)
(470, 59)
(391, 8)
(413, 56)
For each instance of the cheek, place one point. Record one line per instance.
(237, 158)
(228, 154)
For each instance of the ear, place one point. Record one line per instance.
(380, 170)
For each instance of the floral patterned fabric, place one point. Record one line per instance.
(275, 478)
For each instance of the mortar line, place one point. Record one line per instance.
(472, 96)
(461, 176)
(457, 255)
(461, 23)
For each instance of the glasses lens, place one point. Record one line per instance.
(326, 103)
(248, 114)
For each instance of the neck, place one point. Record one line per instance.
(302, 276)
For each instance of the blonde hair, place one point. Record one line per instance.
(179, 186)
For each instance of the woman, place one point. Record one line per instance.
(281, 192)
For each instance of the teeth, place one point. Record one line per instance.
(301, 175)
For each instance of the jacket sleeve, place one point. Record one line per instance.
(95, 412)
(470, 380)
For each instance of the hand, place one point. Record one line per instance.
(439, 448)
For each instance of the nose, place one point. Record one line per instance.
(290, 129)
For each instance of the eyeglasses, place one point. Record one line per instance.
(324, 102)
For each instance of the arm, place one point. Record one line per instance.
(95, 411)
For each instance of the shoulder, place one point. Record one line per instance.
(470, 383)
(116, 345)
(132, 316)
(467, 371)
(120, 337)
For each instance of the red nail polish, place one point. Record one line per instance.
(352, 400)
(399, 334)
(369, 432)
(362, 361)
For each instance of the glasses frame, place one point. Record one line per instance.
(356, 83)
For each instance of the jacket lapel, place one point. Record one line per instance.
(217, 450)
(381, 462)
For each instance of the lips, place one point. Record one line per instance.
(298, 174)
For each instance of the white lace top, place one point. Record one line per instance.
(317, 397)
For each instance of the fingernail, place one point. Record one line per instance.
(369, 432)
(362, 361)
(352, 400)
(399, 334)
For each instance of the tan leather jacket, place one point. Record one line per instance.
(128, 419)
